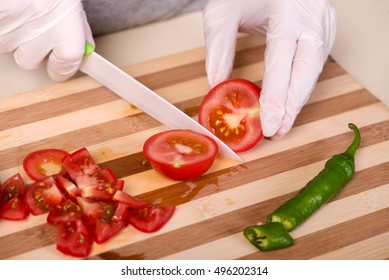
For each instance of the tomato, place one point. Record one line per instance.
(85, 161)
(12, 206)
(66, 211)
(121, 212)
(101, 185)
(129, 200)
(14, 209)
(68, 187)
(180, 154)
(151, 218)
(41, 196)
(230, 110)
(74, 238)
(44, 163)
(104, 231)
(97, 210)
(104, 216)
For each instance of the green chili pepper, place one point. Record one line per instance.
(269, 236)
(337, 172)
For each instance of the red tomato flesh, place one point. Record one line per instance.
(44, 163)
(180, 154)
(230, 110)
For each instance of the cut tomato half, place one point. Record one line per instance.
(230, 110)
(44, 163)
(180, 154)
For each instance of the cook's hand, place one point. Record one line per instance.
(33, 29)
(299, 35)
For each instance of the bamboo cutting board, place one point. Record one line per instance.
(212, 210)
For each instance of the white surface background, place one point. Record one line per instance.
(361, 46)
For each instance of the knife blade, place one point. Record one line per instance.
(146, 100)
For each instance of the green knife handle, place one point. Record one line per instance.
(89, 48)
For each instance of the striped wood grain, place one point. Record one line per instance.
(211, 210)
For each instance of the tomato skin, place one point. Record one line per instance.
(41, 196)
(74, 238)
(151, 218)
(230, 110)
(180, 154)
(33, 163)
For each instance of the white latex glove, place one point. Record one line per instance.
(299, 35)
(33, 29)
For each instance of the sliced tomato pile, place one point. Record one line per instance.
(230, 110)
(87, 204)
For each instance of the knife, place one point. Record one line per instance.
(144, 98)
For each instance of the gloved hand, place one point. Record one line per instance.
(299, 35)
(33, 29)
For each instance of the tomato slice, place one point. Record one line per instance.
(151, 218)
(180, 154)
(44, 163)
(66, 211)
(230, 110)
(74, 238)
(41, 196)
(12, 206)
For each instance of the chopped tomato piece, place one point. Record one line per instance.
(12, 206)
(180, 154)
(101, 185)
(131, 201)
(97, 210)
(72, 168)
(74, 238)
(230, 110)
(14, 209)
(44, 163)
(85, 161)
(121, 212)
(68, 187)
(104, 231)
(41, 196)
(65, 212)
(151, 218)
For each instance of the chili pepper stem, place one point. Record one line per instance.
(351, 150)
